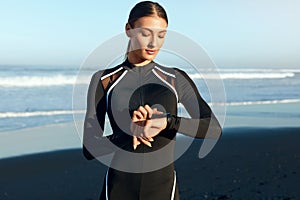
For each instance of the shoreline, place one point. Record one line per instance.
(64, 136)
(263, 115)
(237, 115)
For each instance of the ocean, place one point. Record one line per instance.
(36, 96)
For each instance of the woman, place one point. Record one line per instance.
(140, 97)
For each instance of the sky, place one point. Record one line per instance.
(235, 33)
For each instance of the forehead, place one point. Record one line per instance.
(151, 22)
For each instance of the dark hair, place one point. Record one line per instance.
(146, 8)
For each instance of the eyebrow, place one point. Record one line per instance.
(149, 29)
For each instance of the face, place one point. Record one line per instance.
(146, 37)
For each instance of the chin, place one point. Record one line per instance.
(149, 57)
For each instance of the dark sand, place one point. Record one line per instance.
(246, 163)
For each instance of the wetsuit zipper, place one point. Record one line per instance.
(140, 87)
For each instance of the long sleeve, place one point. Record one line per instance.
(203, 123)
(94, 143)
(93, 124)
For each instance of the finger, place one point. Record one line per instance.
(136, 142)
(137, 115)
(143, 111)
(149, 110)
(156, 111)
(145, 142)
(150, 139)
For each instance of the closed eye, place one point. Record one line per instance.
(145, 33)
(161, 36)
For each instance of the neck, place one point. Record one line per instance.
(137, 61)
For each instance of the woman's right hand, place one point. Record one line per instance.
(144, 128)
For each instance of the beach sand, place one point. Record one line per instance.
(38, 139)
(246, 163)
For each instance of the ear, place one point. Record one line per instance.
(127, 29)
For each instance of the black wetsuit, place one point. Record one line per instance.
(119, 91)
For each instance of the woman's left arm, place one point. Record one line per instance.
(203, 123)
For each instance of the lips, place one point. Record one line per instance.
(151, 52)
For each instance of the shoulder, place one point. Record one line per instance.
(102, 74)
(107, 76)
(171, 71)
(168, 71)
(105, 73)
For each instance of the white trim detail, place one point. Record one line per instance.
(107, 75)
(167, 73)
(113, 85)
(166, 83)
(106, 190)
(174, 186)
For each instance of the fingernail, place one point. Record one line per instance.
(151, 139)
(150, 145)
(134, 147)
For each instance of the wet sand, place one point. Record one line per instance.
(246, 163)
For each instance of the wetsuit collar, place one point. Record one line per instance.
(128, 64)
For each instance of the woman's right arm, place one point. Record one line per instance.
(94, 143)
(93, 124)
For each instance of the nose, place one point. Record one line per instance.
(153, 42)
